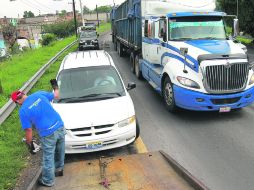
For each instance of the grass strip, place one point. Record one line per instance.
(103, 27)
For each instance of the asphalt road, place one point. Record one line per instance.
(216, 148)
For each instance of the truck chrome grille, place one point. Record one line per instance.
(226, 78)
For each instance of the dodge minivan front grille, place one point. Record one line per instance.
(90, 131)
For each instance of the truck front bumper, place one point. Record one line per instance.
(193, 100)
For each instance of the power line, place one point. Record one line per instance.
(32, 6)
(39, 7)
(43, 5)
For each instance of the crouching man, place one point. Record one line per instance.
(37, 110)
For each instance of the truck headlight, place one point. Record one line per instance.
(127, 121)
(188, 82)
(251, 79)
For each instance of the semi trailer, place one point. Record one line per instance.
(182, 49)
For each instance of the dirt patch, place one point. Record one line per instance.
(28, 173)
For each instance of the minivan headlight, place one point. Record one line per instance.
(127, 121)
(251, 79)
(188, 82)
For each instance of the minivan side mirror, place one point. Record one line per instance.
(130, 86)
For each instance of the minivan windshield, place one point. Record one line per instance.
(196, 28)
(88, 34)
(89, 84)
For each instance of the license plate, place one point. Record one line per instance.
(93, 145)
(225, 109)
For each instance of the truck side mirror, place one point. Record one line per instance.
(236, 27)
(164, 36)
(183, 51)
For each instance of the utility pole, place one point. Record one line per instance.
(82, 16)
(237, 8)
(97, 17)
(75, 21)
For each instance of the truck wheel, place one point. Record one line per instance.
(132, 60)
(120, 49)
(137, 70)
(115, 46)
(168, 95)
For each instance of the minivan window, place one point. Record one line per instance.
(89, 83)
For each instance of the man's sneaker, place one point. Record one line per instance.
(40, 182)
(59, 173)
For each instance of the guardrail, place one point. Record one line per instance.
(7, 109)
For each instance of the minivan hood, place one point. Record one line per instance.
(103, 112)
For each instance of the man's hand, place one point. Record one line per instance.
(54, 84)
(33, 147)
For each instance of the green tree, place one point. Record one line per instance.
(245, 12)
(62, 13)
(86, 10)
(61, 30)
(9, 34)
(103, 9)
(28, 14)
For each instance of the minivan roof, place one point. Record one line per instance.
(86, 59)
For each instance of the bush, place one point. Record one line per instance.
(15, 49)
(61, 30)
(47, 39)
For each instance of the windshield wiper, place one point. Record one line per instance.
(66, 99)
(209, 38)
(89, 97)
(180, 39)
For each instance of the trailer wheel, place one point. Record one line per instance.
(168, 95)
(137, 69)
(132, 60)
(115, 45)
(120, 49)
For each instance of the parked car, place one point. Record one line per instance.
(88, 40)
(94, 104)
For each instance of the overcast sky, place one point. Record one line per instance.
(15, 9)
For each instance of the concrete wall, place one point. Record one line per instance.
(92, 17)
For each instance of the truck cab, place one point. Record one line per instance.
(189, 59)
(185, 54)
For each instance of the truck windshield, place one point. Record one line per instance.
(195, 28)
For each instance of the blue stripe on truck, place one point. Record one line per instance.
(157, 41)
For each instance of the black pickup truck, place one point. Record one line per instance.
(88, 40)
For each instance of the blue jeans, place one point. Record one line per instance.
(53, 150)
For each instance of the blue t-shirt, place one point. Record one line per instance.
(36, 110)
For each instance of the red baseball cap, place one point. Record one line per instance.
(16, 95)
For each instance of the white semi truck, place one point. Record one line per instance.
(181, 48)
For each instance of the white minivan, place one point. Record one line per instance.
(96, 108)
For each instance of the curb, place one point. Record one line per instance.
(33, 184)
